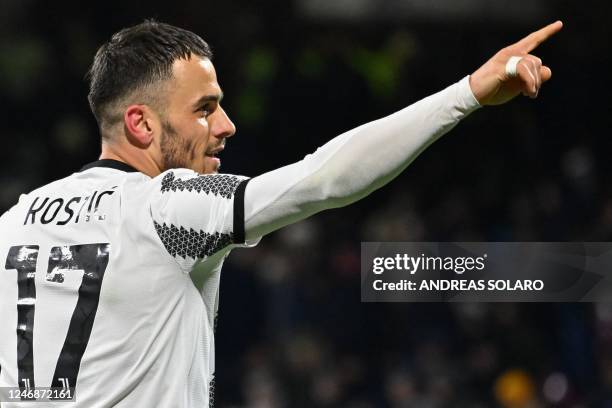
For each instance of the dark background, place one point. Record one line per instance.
(292, 330)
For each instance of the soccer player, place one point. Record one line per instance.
(96, 294)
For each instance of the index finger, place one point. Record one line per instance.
(536, 38)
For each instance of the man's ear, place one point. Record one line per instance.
(141, 124)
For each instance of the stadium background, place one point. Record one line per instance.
(292, 331)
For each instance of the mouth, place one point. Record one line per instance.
(213, 154)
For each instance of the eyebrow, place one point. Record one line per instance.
(208, 98)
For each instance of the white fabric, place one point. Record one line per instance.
(355, 163)
(151, 344)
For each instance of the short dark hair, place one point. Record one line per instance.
(135, 59)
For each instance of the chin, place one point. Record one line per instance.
(209, 171)
(214, 169)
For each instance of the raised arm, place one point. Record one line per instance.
(354, 164)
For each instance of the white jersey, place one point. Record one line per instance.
(95, 287)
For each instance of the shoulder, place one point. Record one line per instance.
(184, 180)
(51, 186)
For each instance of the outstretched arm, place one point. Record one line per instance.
(354, 164)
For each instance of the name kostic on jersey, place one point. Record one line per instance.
(49, 209)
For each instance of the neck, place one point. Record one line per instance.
(138, 158)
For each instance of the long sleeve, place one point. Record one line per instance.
(352, 165)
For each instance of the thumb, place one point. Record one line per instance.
(545, 73)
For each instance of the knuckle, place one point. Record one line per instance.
(537, 62)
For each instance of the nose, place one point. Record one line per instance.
(222, 126)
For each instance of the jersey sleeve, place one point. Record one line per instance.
(354, 164)
(198, 215)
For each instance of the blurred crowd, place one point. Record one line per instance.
(292, 331)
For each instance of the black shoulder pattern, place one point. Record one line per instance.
(183, 242)
(220, 184)
(211, 392)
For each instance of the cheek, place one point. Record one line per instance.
(203, 124)
(202, 132)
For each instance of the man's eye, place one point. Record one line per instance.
(207, 109)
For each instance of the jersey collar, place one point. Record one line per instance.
(110, 163)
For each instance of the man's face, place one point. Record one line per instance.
(194, 124)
